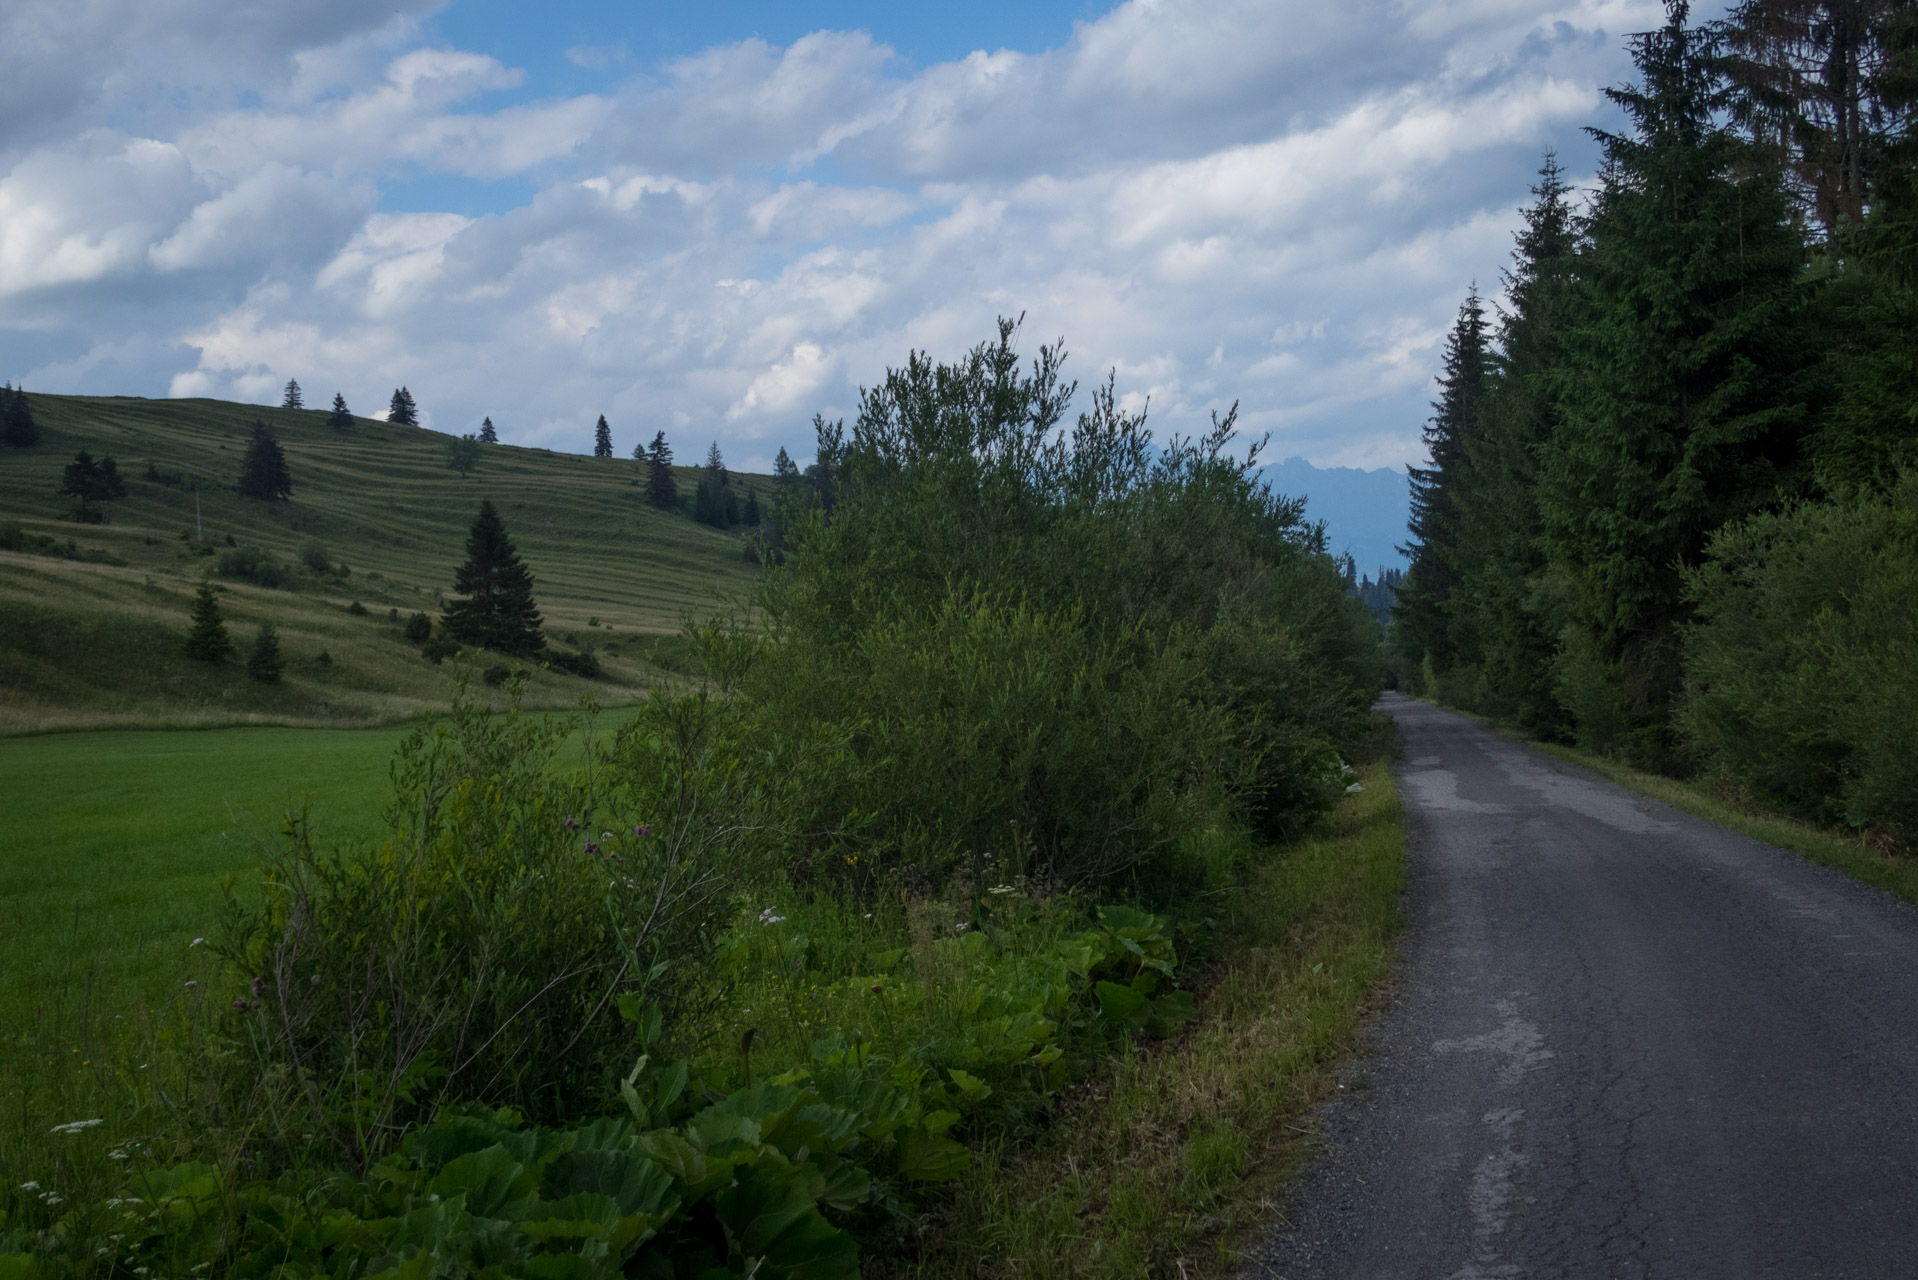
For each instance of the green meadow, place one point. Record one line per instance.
(90, 633)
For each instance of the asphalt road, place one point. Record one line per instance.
(1622, 1042)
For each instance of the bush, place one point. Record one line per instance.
(313, 555)
(1802, 669)
(265, 663)
(357, 609)
(439, 648)
(254, 564)
(496, 675)
(584, 663)
(418, 628)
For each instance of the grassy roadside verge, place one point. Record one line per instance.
(1168, 1160)
(1849, 854)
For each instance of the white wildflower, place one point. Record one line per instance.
(75, 1126)
(768, 917)
(195, 943)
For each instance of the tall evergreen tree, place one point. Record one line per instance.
(1426, 604)
(661, 490)
(714, 502)
(487, 435)
(207, 640)
(498, 611)
(292, 400)
(602, 439)
(785, 469)
(341, 418)
(17, 426)
(402, 410)
(265, 662)
(1508, 602)
(263, 472)
(1686, 384)
(752, 514)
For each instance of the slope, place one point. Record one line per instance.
(92, 636)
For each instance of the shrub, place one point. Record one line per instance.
(254, 564)
(265, 663)
(439, 647)
(584, 663)
(313, 555)
(1802, 669)
(496, 675)
(357, 609)
(418, 628)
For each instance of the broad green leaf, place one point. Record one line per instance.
(926, 1157)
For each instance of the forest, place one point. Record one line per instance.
(1671, 511)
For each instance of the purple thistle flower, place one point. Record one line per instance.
(571, 825)
(259, 987)
(239, 1002)
(591, 847)
(643, 830)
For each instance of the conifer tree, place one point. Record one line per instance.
(602, 439)
(498, 611)
(487, 435)
(207, 640)
(713, 501)
(263, 472)
(752, 514)
(17, 426)
(292, 400)
(1440, 493)
(1685, 387)
(265, 662)
(402, 410)
(785, 469)
(341, 418)
(661, 490)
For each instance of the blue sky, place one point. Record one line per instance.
(718, 220)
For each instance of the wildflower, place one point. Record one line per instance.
(591, 847)
(196, 942)
(239, 1002)
(316, 979)
(767, 917)
(708, 819)
(1000, 888)
(643, 830)
(75, 1126)
(259, 987)
(959, 928)
(30, 1186)
(191, 983)
(571, 825)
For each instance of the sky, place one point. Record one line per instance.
(718, 220)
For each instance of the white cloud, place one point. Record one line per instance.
(1264, 200)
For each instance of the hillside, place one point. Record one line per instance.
(88, 641)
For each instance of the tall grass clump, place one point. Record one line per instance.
(938, 825)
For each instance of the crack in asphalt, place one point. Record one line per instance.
(1622, 1042)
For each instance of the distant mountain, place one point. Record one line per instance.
(1364, 511)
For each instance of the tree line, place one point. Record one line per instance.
(1671, 510)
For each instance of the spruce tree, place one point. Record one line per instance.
(341, 418)
(661, 491)
(207, 640)
(498, 611)
(785, 470)
(713, 501)
(292, 400)
(263, 472)
(1685, 386)
(265, 662)
(487, 435)
(602, 439)
(402, 410)
(752, 509)
(1426, 600)
(17, 426)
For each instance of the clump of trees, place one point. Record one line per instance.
(401, 410)
(17, 427)
(1663, 508)
(714, 500)
(661, 490)
(263, 472)
(341, 418)
(91, 481)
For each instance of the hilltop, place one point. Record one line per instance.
(91, 627)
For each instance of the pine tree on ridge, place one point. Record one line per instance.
(498, 611)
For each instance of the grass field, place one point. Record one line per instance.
(91, 643)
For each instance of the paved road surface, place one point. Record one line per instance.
(1624, 1042)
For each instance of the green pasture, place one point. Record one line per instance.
(114, 844)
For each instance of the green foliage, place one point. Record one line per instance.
(418, 628)
(488, 434)
(207, 640)
(263, 472)
(13, 537)
(257, 565)
(661, 490)
(463, 453)
(602, 438)
(497, 612)
(265, 662)
(341, 418)
(292, 398)
(1803, 671)
(17, 427)
(313, 555)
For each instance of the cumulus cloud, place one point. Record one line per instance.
(1267, 201)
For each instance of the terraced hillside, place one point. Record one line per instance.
(91, 628)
